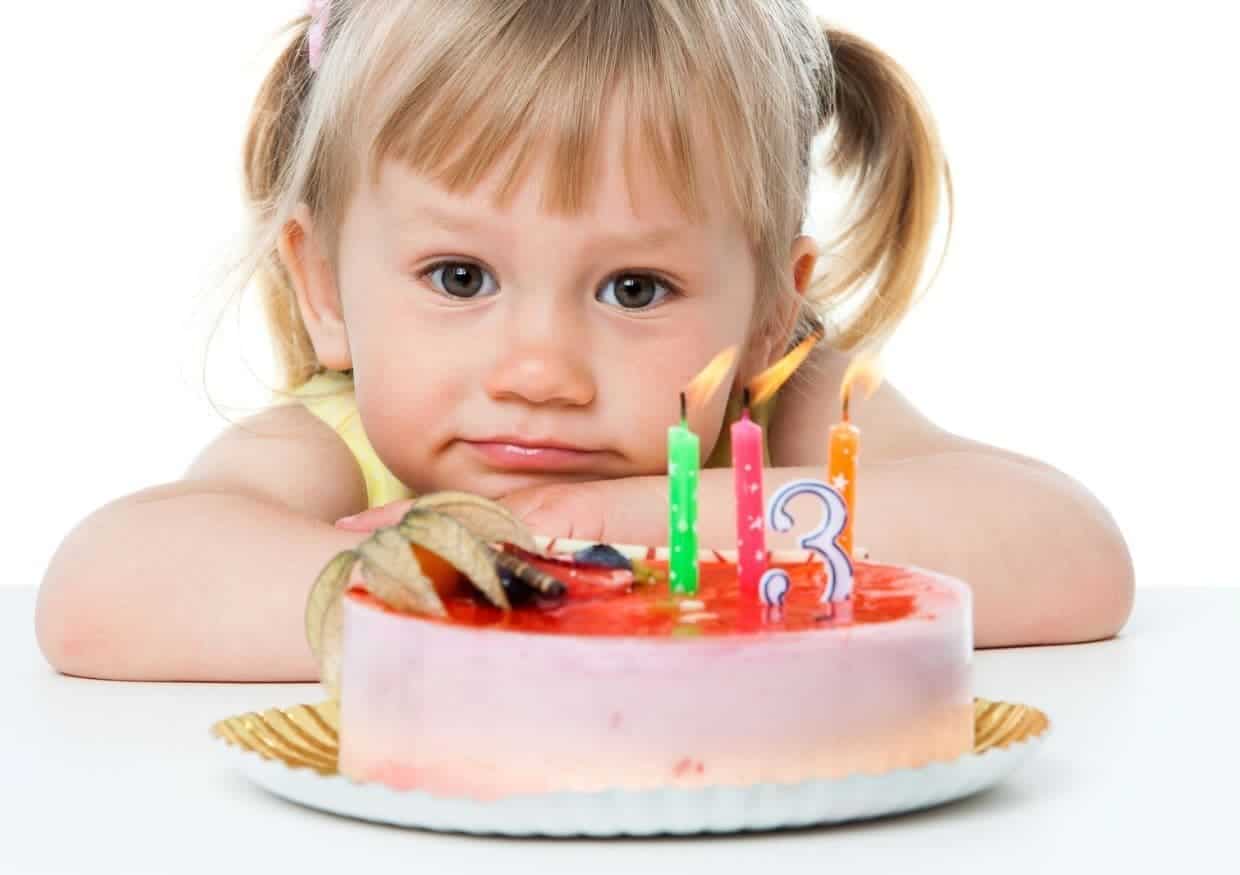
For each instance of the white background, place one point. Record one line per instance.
(1085, 315)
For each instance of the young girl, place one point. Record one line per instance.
(496, 240)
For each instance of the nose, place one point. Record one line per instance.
(544, 359)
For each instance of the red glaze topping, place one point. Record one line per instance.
(597, 606)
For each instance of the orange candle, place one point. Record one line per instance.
(844, 447)
(845, 442)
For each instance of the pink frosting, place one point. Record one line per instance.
(484, 713)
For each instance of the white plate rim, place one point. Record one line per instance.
(665, 811)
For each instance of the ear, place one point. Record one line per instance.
(771, 342)
(314, 284)
(802, 261)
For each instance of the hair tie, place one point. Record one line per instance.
(320, 12)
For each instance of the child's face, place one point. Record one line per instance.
(498, 350)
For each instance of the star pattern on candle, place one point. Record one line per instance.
(840, 482)
(750, 514)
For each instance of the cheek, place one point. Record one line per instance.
(407, 365)
(407, 419)
(644, 394)
(409, 383)
(409, 391)
(395, 413)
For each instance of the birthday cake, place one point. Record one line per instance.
(471, 660)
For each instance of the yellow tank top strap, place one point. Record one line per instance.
(721, 456)
(329, 396)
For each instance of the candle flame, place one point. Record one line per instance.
(767, 383)
(865, 370)
(703, 386)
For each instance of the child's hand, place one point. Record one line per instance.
(631, 510)
(376, 518)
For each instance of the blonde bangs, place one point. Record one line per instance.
(535, 81)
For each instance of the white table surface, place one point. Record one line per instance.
(1141, 770)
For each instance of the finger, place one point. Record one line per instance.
(522, 502)
(376, 518)
(545, 510)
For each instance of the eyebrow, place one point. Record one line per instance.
(646, 238)
(451, 221)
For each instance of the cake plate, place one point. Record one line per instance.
(291, 752)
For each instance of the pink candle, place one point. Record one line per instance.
(750, 526)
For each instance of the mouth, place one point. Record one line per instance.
(523, 454)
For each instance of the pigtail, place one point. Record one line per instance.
(275, 122)
(885, 139)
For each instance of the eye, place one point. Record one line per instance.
(463, 280)
(634, 291)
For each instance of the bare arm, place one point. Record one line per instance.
(1045, 559)
(206, 579)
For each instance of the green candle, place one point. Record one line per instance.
(682, 479)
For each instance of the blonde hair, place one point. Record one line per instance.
(454, 86)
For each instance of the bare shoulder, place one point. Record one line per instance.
(810, 403)
(284, 455)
